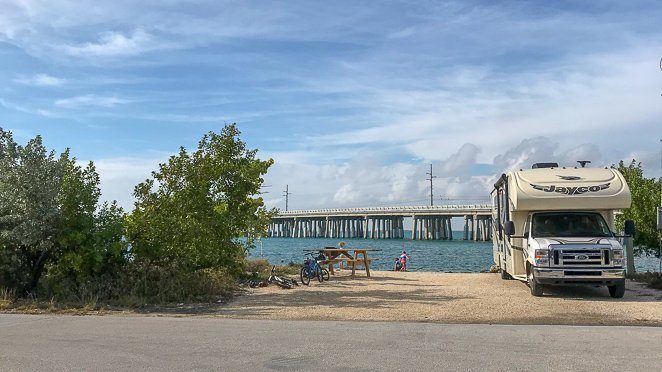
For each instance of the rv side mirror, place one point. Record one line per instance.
(629, 228)
(509, 228)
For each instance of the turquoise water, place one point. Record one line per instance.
(430, 255)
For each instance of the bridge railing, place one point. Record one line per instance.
(407, 209)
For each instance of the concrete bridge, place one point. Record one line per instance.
(428, 223)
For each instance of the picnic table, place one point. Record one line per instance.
(350, 256)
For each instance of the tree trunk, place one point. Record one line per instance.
(36, 272)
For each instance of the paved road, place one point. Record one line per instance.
(31, 342)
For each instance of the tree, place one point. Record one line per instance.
(193, 212)
(47, 210)
(96, 267)
(645, 199)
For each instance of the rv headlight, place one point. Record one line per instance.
(617, 257)
(542, 257)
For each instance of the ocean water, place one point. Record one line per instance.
(426, 255)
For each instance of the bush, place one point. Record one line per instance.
(157, 285)
(654, 280)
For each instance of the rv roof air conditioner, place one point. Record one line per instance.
(545, 165)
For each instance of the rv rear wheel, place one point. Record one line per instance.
(617, 291)
(505, 275)
(536, 289)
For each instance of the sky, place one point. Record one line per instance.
(352, 99)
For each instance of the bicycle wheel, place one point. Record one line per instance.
(288, 281)
(305, 278)
(325, 274)
(318, 273)
(282, 284)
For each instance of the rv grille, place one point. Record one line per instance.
(581, 257)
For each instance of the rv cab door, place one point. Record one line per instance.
(526, 237)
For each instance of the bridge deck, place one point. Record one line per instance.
(384, 222)
(440, 210)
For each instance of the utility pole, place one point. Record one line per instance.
(287, 194)
(430, 179)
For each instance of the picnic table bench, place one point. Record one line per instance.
(349, 256)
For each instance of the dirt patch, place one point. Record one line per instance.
(447, 298)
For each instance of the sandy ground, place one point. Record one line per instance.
(446, 298)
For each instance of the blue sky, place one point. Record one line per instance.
(351, 99)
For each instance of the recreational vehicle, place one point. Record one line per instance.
(555, 226)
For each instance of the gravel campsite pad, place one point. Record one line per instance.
(446, 298)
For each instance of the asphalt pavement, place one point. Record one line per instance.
(110, 343)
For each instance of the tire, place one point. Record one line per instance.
(536, 289)
(283, 284)
(279, 283)
(325, 274)
(318, 273)
(505, 275)
(305, 279)
(617, 291)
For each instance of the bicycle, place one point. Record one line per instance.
(280, 281)
(312, 269)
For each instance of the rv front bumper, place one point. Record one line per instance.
(577, 275)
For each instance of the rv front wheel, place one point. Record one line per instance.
(617, 291)
(536, 289)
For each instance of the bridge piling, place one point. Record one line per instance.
(450, 230)
(414, 227)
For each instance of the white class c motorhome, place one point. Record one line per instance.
(555, 226)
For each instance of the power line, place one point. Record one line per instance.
(430, 179)
(264, 192)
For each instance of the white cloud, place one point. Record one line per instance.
(346, 195)
(89, 100)
(114, 44)
(371, 180)
(43, 80)
(599, 98)
(121, 174)
(24, 109)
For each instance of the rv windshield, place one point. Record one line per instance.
(548, 225)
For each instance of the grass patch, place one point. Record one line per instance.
(261, 269)
(654, 280)
(6, 298)
(156, 289)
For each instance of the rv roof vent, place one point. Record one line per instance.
(544, 165)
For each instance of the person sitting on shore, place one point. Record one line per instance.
(398, 265)
(403, 261)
